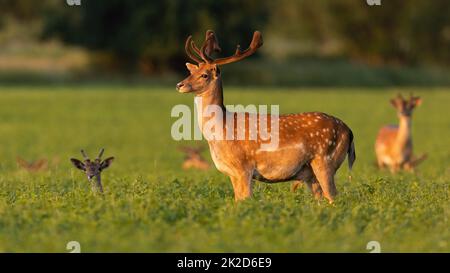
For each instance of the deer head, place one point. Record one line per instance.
(193, 158)
(93, 168)
(206, 74)
(33, 166)
(405, 107)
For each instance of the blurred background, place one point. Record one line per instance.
(307, 43)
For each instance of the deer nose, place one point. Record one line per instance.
(179, 85)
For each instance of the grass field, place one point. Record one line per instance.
(151, 205)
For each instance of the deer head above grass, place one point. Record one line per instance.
(194, 158)
(32, 166)
(93, 168)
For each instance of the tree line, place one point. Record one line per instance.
(148, 36)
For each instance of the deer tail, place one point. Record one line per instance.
(351, 154)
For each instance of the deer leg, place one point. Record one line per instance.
(315, 188)
(394, 168)
(242, 185)
(296, 184)
(407, 166)
(307, 177)
(380, 164)
(325, 175)
(302, 177)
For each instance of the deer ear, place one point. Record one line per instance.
(105, 163)
(78, 164)
(417, 101)
(394, 103)
(191, 67)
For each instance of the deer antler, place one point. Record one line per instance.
(412, 97)
(22, 163)
(191, 151)
(190, 45)
(213, 43)
(210, 45)
(100, 154)
(203, 50)
(257, 42)
(84, 155)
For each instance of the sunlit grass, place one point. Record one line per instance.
(151, 205)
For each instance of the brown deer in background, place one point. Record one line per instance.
(311, 146)
(32, 166)
(393, 146)
(93, 168)
(194, 159)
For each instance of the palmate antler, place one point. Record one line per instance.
(211, 44)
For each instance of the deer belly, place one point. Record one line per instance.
(278, 166)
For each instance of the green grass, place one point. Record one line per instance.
(151, 205)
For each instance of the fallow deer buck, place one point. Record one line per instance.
(93, 168)
(194, 159)
(393, 146)
(310, 146)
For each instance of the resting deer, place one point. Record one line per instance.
(33, 166)
(311, 146)
(93, 168)
(194, 159)
(393, 146)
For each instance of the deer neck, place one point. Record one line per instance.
(404, 132)
(211, 98)
(98, 184)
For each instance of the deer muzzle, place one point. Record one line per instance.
(183, 88)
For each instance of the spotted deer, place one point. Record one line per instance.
(393, 145)
(194, 159)
(310, 147)
(93, 168)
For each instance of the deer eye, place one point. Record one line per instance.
(204, 76)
